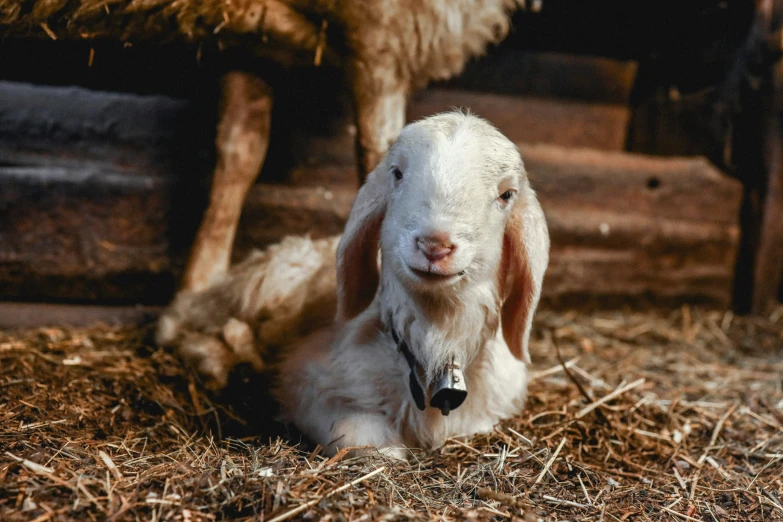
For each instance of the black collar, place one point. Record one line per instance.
(413, 382)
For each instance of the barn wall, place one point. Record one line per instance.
(100, 192)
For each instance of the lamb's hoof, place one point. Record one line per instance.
(240, 339)
(395, 453)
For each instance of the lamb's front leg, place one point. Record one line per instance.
(366, 433)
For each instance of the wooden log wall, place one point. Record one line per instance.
(100, 195)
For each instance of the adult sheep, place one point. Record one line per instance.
(386, 48)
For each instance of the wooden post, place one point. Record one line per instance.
(768, 269)
(768, 265)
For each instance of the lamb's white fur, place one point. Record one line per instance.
(347, 385)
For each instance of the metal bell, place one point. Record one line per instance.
(450, 390)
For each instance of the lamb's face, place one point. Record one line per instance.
(453, 182)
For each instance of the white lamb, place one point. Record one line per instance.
(464, 247)
(433, 346)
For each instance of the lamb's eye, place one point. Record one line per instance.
(507, 195)
(397, 173)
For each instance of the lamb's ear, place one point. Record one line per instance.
(357, 253)
(525, 258)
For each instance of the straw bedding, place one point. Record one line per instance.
(649, 416)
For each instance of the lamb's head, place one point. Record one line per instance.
(451, 182)
(464, 243)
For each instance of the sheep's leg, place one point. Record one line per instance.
(242, 142)
(379, 109)
(271, 298)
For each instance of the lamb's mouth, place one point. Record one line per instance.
(435, 276)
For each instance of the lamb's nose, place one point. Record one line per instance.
(435, 246)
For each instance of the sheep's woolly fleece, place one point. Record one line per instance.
(656, 416)
(268, 27)
(416, 41)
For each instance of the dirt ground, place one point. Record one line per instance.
(650, 416)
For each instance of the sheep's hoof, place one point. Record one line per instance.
(240, 339)
(212, 356)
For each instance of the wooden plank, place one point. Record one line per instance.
(71, 126)
(33, 315)
(683, 188)
(626, 258)
(627, 227)
(89, 234)
(550, 74)
(125, 133)
(535, 120)
(274, 211)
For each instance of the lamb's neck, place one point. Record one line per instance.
(445, 326)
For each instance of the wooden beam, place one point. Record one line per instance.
(568, 123)
(33, 315)
(528, 119)
(627, 227)
(121, 132)
(89, 234)
(550, 74)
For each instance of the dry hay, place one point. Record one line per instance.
(659, 417)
